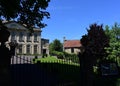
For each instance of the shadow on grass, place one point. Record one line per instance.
(53, 74)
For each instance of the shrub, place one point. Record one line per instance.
(73, 57)
(67, 56)
(59, 55)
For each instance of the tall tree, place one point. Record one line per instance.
(9, 9)
(94, 43)
(29, 12)
(114, 49)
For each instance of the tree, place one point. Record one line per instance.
(56, 49)
(94, 43)
(56, 45)
(114, 49)
(28, 12)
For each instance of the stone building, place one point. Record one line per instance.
(27, 43)
(45, 46)
(72, 46)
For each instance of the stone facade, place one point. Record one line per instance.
(72, 46)
(72, 50)
(45, 46)
(27, 43)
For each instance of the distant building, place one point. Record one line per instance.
(45, 46)
(27, 44)
(72, 46)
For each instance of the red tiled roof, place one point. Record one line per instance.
(72, 43)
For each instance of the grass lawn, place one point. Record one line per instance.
(52, 59)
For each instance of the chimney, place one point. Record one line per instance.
(64, 39)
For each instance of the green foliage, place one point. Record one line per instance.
(55, 49)
(58, 54)
(73, 57)
(32, 12)
(56, 45)
(29, 12)
(52, 59)
(114, 49)
(64, 55)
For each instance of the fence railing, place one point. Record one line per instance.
(24, 73)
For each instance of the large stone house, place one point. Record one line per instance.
(72, 46)
(27, 44)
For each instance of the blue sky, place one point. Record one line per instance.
(70, 18)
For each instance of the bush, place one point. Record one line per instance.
(73, 57)
(60, 55)
(64, 55)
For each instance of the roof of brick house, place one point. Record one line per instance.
(72, 43)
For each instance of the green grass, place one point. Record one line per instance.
(52, 59)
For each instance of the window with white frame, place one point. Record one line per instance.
(35, 49)
(28, 49)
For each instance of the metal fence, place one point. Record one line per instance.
(25, 73)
